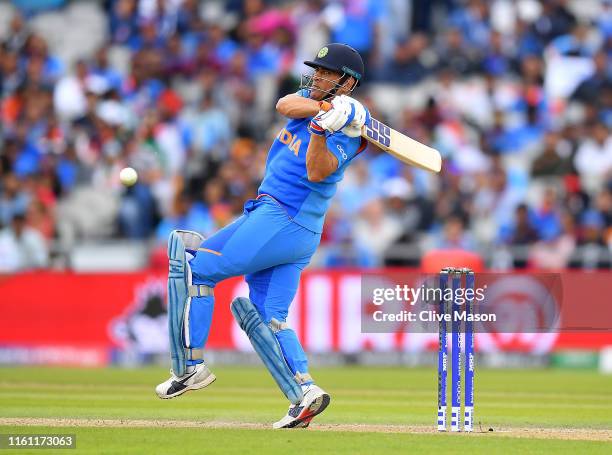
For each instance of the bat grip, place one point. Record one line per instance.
(325, 106)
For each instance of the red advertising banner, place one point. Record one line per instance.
(49, 317)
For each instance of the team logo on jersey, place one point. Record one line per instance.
(323, 52)
(290, 140)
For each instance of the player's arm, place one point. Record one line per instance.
(296, 106)
(326, 153)
(320, 161)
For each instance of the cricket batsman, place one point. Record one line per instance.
(272, 241)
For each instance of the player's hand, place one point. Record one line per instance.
(362, 114)
(340, 115)
(361, 117)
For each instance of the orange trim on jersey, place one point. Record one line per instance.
(210, 251)
(362, 146)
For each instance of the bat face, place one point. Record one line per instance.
(401, 146)
(378, 132)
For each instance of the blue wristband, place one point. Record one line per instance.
(314, 128)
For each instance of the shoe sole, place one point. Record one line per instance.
(304, 423)
(316, 408)
(200, 385)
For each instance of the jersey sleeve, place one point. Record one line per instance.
(343, 147)
(303, 92)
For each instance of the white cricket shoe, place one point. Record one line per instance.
(199, 378)
(299, 415)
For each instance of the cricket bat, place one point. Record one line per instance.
(398, 145)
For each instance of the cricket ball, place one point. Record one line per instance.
(128, 176)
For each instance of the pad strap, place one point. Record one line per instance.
(200, 290)
(191, 239)
(302, 378)
(194, 353)
(277, 325)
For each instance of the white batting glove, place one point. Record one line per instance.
(360, 117)
(352, 131)
(339, 116)
(333, 120)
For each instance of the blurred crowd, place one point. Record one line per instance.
(515, 94)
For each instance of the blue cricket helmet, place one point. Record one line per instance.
(341, 58)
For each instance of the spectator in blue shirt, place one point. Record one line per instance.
(13, 200)
(186, 215)
(358, 25)
(123, 21)
(547, 219)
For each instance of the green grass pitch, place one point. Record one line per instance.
(373, 410)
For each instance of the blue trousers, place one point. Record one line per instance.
(271, 250)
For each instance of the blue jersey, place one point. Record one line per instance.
(286, 179)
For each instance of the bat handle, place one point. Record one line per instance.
(325, 106)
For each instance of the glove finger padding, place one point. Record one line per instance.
(361, 116)
(333, 120)
(343, 103)
(352, 131)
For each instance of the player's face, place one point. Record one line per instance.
(324, 80)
